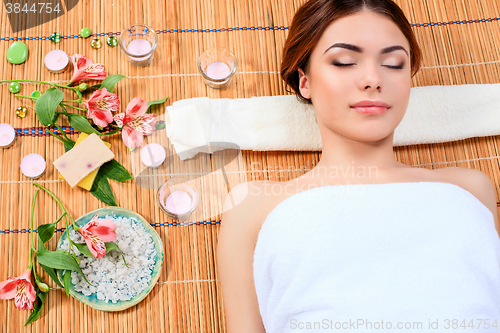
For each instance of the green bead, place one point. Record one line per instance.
(96, 43)
(55, 37)
(36, 93)
(17, 53)
(14, 87)
(21, 111)
(112, 41)
(85, 32)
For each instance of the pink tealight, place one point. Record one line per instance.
(7, 135)
(33, 165)
(218, 70)
(139, 47)
(178, 202)
(56, 61)
(153, 155)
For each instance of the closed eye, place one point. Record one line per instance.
(394, 67)
(339, 64)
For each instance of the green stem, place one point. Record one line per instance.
(30, 97)
(74, 107)
(59, 202)
(73, 101)
(58, 138)
(63, 133)
(112, 132)
(32, 257)
(75, 89)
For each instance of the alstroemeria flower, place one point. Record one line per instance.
(96, 232)
(86, 69)
(20, 289)
(100, 105)
(135, 122)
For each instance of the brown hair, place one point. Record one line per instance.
(312, 19)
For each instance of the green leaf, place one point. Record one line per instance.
(67, 281)
(112, 246)
(110, 82)
(159, 126)
(46, 231)
(160, 101)
(80, 123)
(46, 105)
(102, 190)
(115, 171)
(41, 245)
(59, 259)
(37, 307)
(68, 144)
(83, 248)
(52, 274)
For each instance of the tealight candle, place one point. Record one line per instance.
(218, 70)
(56, 61)
(33, 166)
(138, 42)
(178, 202)
(217, 65)
(139, 47)
(7, 135)
(153, 155)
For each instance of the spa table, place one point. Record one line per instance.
(460, 41)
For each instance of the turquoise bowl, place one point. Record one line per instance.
(92, 300)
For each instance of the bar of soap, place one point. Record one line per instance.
(81, 160)
(87, 182)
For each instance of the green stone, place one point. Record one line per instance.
(85, 32)
(14, 87)
(36, 93)
(21, 111)
(96, 43)
(112, 41)
(17, 53)
(55, 37)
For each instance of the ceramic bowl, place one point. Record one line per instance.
(116, 212)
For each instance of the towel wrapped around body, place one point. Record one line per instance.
(434, 114)
(349, 257)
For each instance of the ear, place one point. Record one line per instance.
(304, 84)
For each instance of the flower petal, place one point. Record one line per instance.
(8, 289)
(136, 107)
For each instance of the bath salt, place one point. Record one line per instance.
(111, 280)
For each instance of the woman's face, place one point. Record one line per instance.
(359, 77)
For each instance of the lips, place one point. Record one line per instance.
(371, 107)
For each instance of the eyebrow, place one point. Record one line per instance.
(360, 50)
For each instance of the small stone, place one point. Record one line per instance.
(85, 32)
(96, 43)
(21, 111)
(17, 53)
(14, 87)
(36, 93)
(112, 41)
(55, 37)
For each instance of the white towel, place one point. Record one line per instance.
(434, 114)
(398, 253)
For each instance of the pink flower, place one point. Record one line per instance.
(20, 289)
(86, 69)
(100, 105)
(96, 232)
(135, 122)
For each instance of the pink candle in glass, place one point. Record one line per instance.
(139, 47)
(56, 61)
(218, 70)
(33, 165)
(178, 202)
(7, 135)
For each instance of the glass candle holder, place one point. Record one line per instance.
(178, 197)
(139, 43)
(217, 65)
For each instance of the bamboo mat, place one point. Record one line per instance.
(460, 41)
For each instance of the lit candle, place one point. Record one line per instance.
(56, 61)
(139, 47)
(153, 155)
(33, 165)
(218, 70)
(178, 202)
(7, 135)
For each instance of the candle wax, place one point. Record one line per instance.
(153, 155)
(218, 70)
(7, 135)
(178, 202)
(56, 60)
(139, 47)
(33, 165)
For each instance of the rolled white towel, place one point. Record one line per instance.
(434, 114)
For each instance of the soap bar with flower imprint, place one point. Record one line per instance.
(82, 159)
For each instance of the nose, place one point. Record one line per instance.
(371, 79)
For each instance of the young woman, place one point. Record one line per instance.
(361, 236)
